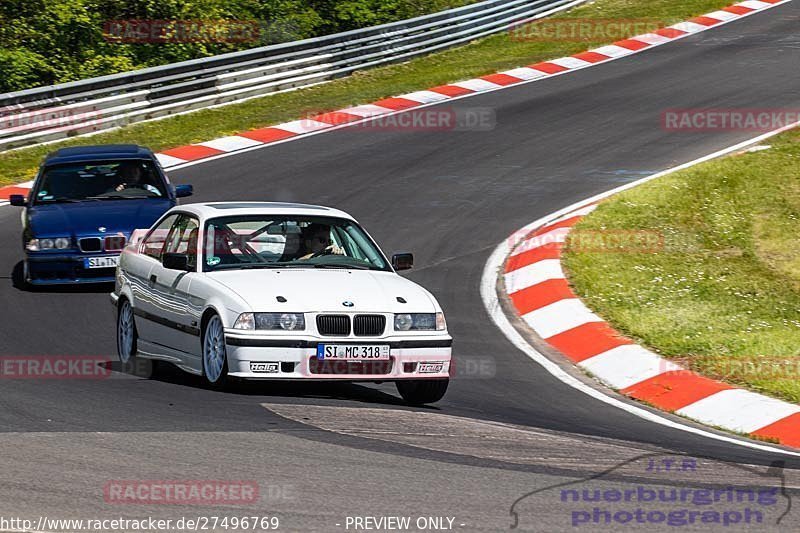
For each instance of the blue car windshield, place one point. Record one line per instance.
(100, 180)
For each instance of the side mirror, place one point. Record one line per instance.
(182, 191)
(17, 200)
(176, 262)
(402, 261)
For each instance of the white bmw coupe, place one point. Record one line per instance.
(259, 290)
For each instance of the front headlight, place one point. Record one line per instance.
(36, 245)
(271, 321)
(419, 322)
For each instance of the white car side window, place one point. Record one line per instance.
(153, 244)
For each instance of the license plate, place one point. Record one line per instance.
(266, 368)
(430, 368)
(353, 352)
(101, 262)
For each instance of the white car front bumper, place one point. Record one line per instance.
(252, 357)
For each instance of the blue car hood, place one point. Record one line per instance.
(86, 218)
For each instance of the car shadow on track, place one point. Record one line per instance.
(332, 390)
(17, 277)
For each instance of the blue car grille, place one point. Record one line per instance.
(90, 244)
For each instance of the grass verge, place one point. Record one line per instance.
(485, 56)
(710, 276)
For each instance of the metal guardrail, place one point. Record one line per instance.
(59, 111)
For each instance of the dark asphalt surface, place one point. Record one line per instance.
(450, 197)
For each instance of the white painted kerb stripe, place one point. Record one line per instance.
(627, 365)
(739, 410)
(612, 50)
(302, 126)
(476, 84)
(230, 144)
(560, 316)
(651, 38)
(424, 97)
(570, 62)
(722, 15)
(530, 275)
(524, 73)
(168, 160)
(558, 235)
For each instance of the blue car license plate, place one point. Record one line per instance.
(101, 262)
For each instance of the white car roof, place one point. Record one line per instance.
(223, 209)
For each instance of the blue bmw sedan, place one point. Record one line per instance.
(84, 204)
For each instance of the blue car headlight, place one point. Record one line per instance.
(57, 243)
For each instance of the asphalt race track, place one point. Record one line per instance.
(324, 450)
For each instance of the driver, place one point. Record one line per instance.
(317, 241)
(133, 178)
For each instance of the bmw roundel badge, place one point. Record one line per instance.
(348, 303)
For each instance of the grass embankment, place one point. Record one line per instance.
(498, 52)
(722, 295)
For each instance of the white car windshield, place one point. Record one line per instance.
(265, 241)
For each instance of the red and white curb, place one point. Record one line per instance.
(176, 157)
(539, 291)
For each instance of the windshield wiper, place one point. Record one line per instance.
(248, 266)
(59, 201)
(345, 267)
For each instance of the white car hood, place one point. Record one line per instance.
(326, 290)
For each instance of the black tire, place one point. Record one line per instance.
(19, 277)
(222, 381)
(422, 391)
(128, 343)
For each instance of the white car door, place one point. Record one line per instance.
(179, 313)
(138, 270)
